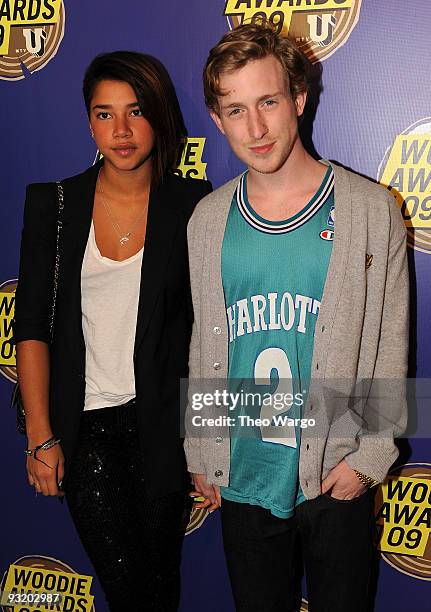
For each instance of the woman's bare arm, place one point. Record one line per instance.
(33, 373)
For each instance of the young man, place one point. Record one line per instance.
(299, 273)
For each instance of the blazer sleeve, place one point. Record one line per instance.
(197, 190)
(206, 188)
(33, 301)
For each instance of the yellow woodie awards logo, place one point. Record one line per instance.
(403, 515)
(318, 27)
(35, 583)
(30, 34)
(191, 164)
(406, 171)
(196, 520)
(7, 347)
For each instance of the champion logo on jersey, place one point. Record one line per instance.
(327, 234)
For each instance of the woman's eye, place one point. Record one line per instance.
(136, 112)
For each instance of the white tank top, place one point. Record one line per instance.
(110, 295)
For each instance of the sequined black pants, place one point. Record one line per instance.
(134, 543)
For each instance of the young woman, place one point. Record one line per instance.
(104, 391)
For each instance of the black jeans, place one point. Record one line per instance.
(334, 538)
(133, 542)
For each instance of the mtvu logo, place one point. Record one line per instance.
(35, 41)
(29, 36)
(318, 27)
(322, 28)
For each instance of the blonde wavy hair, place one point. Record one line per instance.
(249, 42)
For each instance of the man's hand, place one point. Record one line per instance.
(342, 482)
(210, 492)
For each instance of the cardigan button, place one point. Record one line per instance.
(218, 473)
(217, 365)
(219, 440)
(217, 331)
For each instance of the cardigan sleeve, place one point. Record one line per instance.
(192, 445)
(33, 299)
(386, 410)
(197, 190)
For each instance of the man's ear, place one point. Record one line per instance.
(300, 101)
(216, 118)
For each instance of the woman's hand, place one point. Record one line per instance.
(47, 470)
(210, 492)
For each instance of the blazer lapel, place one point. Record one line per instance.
(78, 210)
(162, 227)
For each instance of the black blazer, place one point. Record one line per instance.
(164, 314)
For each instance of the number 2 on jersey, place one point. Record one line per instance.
(267, 360)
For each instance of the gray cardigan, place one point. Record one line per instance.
(361, 335)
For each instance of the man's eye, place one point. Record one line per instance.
(103, 115)
(234, 111)
(270, 102)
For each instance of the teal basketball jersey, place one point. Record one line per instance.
(273, 276)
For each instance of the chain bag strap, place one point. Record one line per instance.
(16, 400)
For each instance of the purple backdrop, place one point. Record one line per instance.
(374, 87)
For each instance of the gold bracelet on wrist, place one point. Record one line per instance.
(366, 480)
